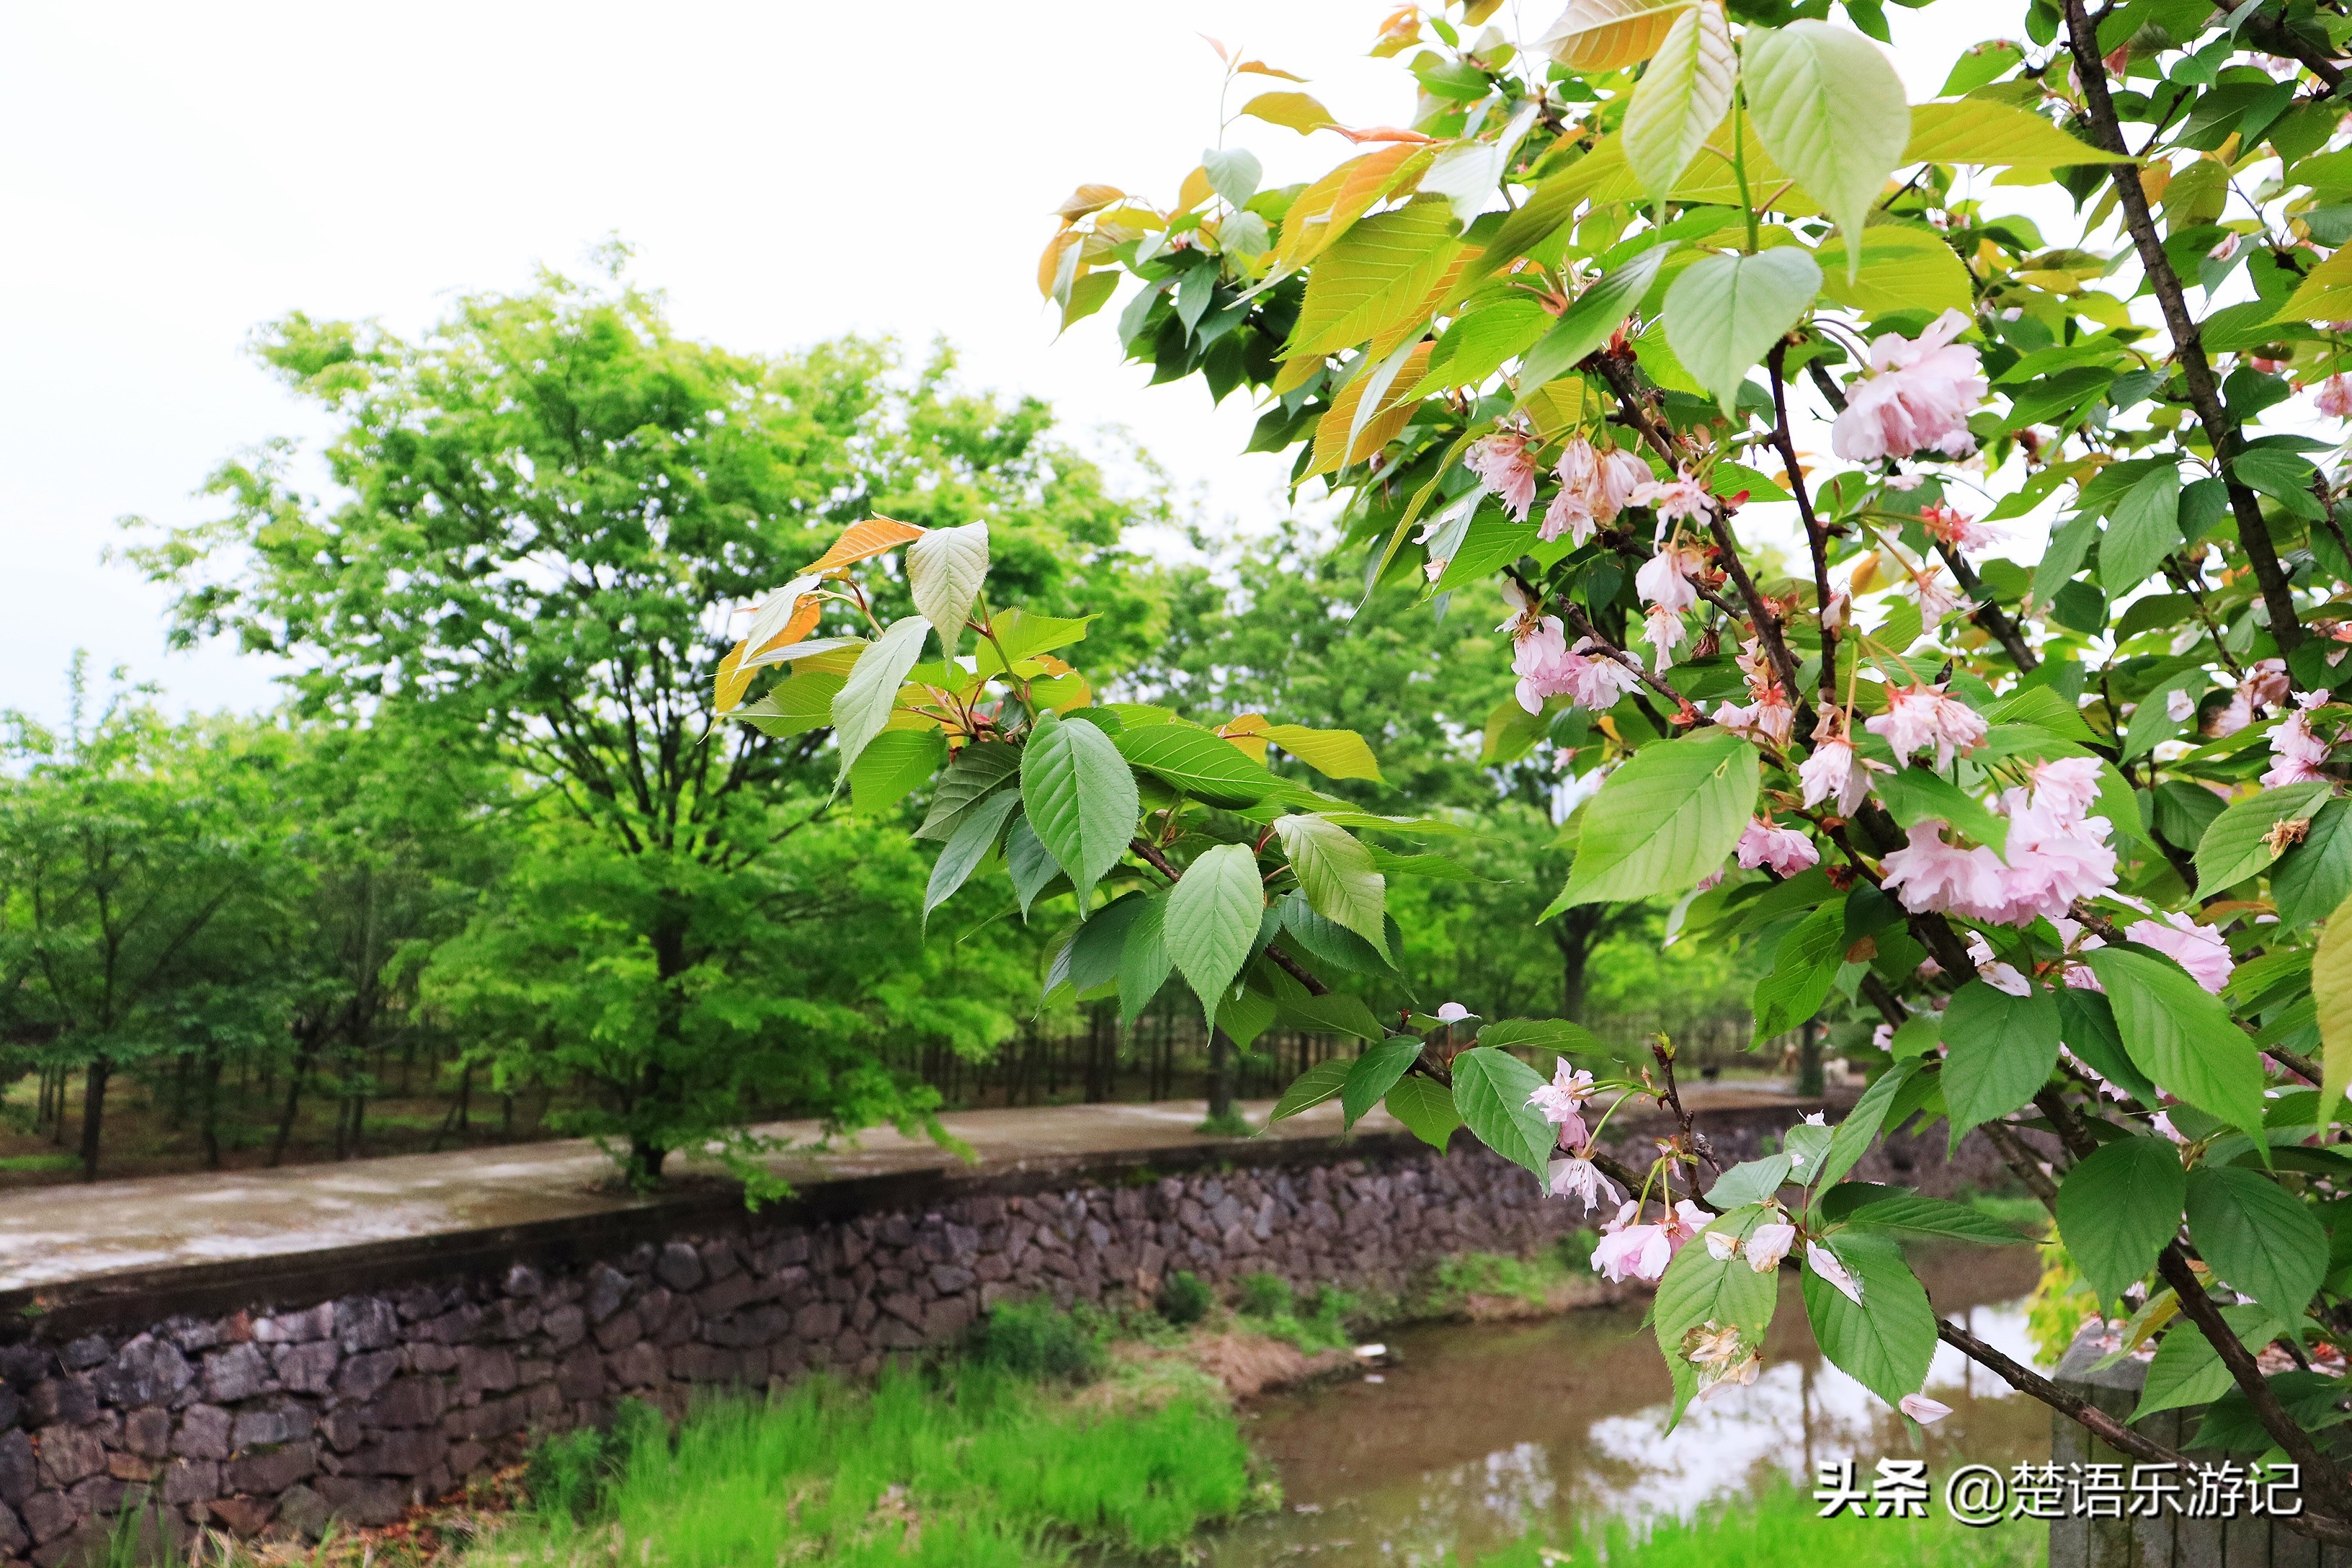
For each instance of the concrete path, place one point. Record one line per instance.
(52, 1234)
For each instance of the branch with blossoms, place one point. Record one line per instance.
(2027, 757)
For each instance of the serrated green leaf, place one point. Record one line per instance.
(1724, 313)
(1375, 1073)
(1335, 871)
(1895, 1211)
(2187, 1371)
(1831, 111)
(2257, 1237)
(1902, 270)
(1212, 918)
(1749, 1182)
(863, 704)
(2001, 1050)
(893, 763)
(1143, 961)
(1341, 1013)
(1374, 277)
(1081, 798)
(1426, 1109)
(2331, 990)
(2238, 843)
(2119, 1207)
(1540, 1034)
(1861, 1127)
(1886, 1343)
(978, 771)
(1312, 1088)
(945, 569)
(1028, 862)
(1988, 132)
(1334, 753)
(2179, 1036)
(974, 838)
(2312, 879)
(1683, 95)
(1199, 763)
(1591, 320)
(1664, 820)
(1491, 1091)
(2145, 528)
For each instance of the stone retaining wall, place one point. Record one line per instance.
(353, 1386)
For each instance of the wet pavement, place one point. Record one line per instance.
(49, 1236)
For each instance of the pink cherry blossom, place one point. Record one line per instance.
(1931, 874)
(1627, 1250)
(2266, 684)
(1784, 850)
(1680, 499)
(1508, 469)
(1921, 716)
(1621, 473)
(1560, 1099)
(2231, 719)
(1666, 581)
(1665, 633)
(1686, 1220)
(1936, 596)
(1835, 772)
(1587, 675)
(2226, 249)
(2334, 397)
(1766, 721)
(2297, 754)
(1922, 1409)
(2054, 859)
(1919, 397)
(1824, 1262)
(2196, 949)
(2069, 786)
(2179, 704)
(1452, 1013)
(1961, 532)
(1579, 1179)
(1768, 1244)
(1587, 496)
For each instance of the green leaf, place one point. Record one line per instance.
(1829, 109)
(1886, 1343)
(1333, 943)
(1682, 97)
(1699, 1288)
(863, 704)
(1804, 968)
(1336, 872)
(1540, 1034)
(2258, 1237)
(2181, 1037)
(2145, 528)
(1592, 321)
(1916, 794)
(793, 706)
(1244, 1014)
(2331, 990)
(1312, 1088)
(1334, 753)
(1724, 313)
(1212, 918)
(945, 569)
(979, 771)
(1986, 131)
(2238, 845)
(1861, 1127)
(1490, 1090)
(1028, 862)
(2086, 1024)
(1426, 1109)
(892, 764)
(974, 838)
(2187, 1371)
(1664, 820)
(2000, 1049)
(1022, 635)
(1143, 961)
(1895, 1211)
(1374, 278)
(1902, 270)
(1375, 1073)
(1341, 1013)
(1749, 1182)
(1082, 799)
(1093, 955)
(2316, 876)
(1199, 763)
(2119, 1207)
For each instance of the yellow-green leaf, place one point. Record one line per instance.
(1596, 36)
(1330, 206)
(1374, 277)
(1902, 270)
(1299, 110)
(1985, 131)
(1334, 753)
(1831, 111)
(2325, 293)
(2331, 988)
(1684, 94)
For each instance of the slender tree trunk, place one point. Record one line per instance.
(1221, 1076)
(302, 1059)
(93, 1112)
(1809, 1059)
(208, 1119)
(1575, 934)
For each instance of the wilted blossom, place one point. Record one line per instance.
(1921, 716)
(1768, 720)
(1578, 1178)
(2266, 684)
(1508, 469)
(1920, 397)
(2179, 704)
(1719, 1357)
(1835, 772)
(1768, 1244)
(2227, 721)
(1993, 971)
(1667, 579)
(2296, 753)
(1664, 632)
(1922, 1409)
(1627, 1250)
(1685, 1221)
(1593, 488)
(1682, 498)
(1961, 532)
(2334, 397)
(2196, 949)
(1824, 1262)
(1548, 667)
(1784, 850)
(2226, 249)
(1936, 598)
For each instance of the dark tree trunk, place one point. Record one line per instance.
(1808, 1060)
(1576, 934)
(93, 1112)
(302, 1059)
(1221, 1076)
(208, 1123)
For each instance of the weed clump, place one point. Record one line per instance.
(1035, 1340)
(1185, 1298)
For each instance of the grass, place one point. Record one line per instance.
(1780, 1529)
(1528, 1279)
(1319, 1323)
(40, 1162)
(971, 1467)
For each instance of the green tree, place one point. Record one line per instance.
(541, 514)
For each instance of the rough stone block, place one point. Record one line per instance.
(405, 1453)
(407, 1401)
(296, 1328)
(50, 1514)
(20, 1470)
(365, 1323)
(485, 1371)
(620, 1329)
(564, 1326)
(203, 1433)
(271, 1471)
(190, 1481)
(307, 1368)
(68, 1454)
(679, 1267)
(362, 1377)
(361, 1502)
(237, 1372)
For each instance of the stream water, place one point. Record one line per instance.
(1482, 1432)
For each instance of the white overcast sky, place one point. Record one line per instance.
(176, 175)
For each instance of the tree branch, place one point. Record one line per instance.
(1816, 535)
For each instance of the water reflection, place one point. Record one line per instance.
(1482, 1431)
